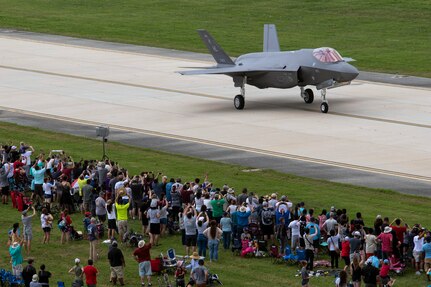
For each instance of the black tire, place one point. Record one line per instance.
(324, 107)
(239, 102)
(308, 96)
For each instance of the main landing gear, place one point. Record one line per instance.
(308, 97)
(239, 100)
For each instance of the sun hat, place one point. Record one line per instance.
(387, 229)
(243, 209)
(357, 233)
(15, 244)
(35, 278)
(347, 238)
(141, 243)
(230, 190)
(77, 261)
(264, 203)
(195, 255)
(386, 261)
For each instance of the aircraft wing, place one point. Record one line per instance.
(237, 70)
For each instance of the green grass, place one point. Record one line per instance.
(384, 36)
(234, 271)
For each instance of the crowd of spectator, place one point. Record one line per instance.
(205, 215)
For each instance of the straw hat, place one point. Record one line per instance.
(195, 256)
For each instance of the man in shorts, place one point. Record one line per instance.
(143, 257)
(117, 263)
(27, 227)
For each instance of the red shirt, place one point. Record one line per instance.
(143, 253)
(345, 248)
(384, 271)
(90, 274)
(386, 239)
(399, 231)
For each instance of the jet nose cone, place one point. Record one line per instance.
(350, 73)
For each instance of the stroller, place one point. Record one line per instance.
(75, 235)
(236, 246)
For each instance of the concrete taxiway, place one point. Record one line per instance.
(376, 134)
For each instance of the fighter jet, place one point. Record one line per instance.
(323, 68)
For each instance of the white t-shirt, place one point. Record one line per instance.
(294, 225)
(27, 155)
(111, 215)
(332, 241)
(47, 188)
(419, 243)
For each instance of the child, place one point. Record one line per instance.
(385, 279)
(179, 276)
(304, 274)
(86, 220)
(247, 246)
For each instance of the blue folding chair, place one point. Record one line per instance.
(60, 284)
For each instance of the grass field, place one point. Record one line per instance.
(234, 271)
(385, 36)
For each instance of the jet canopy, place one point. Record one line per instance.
(327, 55)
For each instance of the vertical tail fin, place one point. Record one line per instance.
(219, 55)
(270, 39)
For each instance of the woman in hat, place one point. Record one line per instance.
(385, 239)
(194, 261)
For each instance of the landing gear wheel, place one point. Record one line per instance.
(324, 108)
(239, 102)
(308, 96)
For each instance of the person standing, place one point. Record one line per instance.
(44, 276)
(46, 223)
(304, 274)
(217, 206)
(65, 223)
(35, 281)
(92, 238)
(226, 227)
(189, 217)
(76, 270)
(121, 206)
(309, 247)
(213, 233)
(333, 246)
(117, 263)
(143, 257)
(27, 228)
(4, 183)
(112, 219)
(90, 274)
(15, 252)
(28, 272)
(100, 204)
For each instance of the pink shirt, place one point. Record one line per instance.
(386, 239)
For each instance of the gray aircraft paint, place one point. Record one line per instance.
(274, 69)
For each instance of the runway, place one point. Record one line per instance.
(371, 128)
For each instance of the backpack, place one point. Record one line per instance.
(267, 217)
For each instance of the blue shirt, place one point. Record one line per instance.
(313, 227)
(16, 255)
(168, 191)
(427, 250)
(226, 224)
(38, 175)
(242, 218)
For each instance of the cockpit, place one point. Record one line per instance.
(327, 55)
